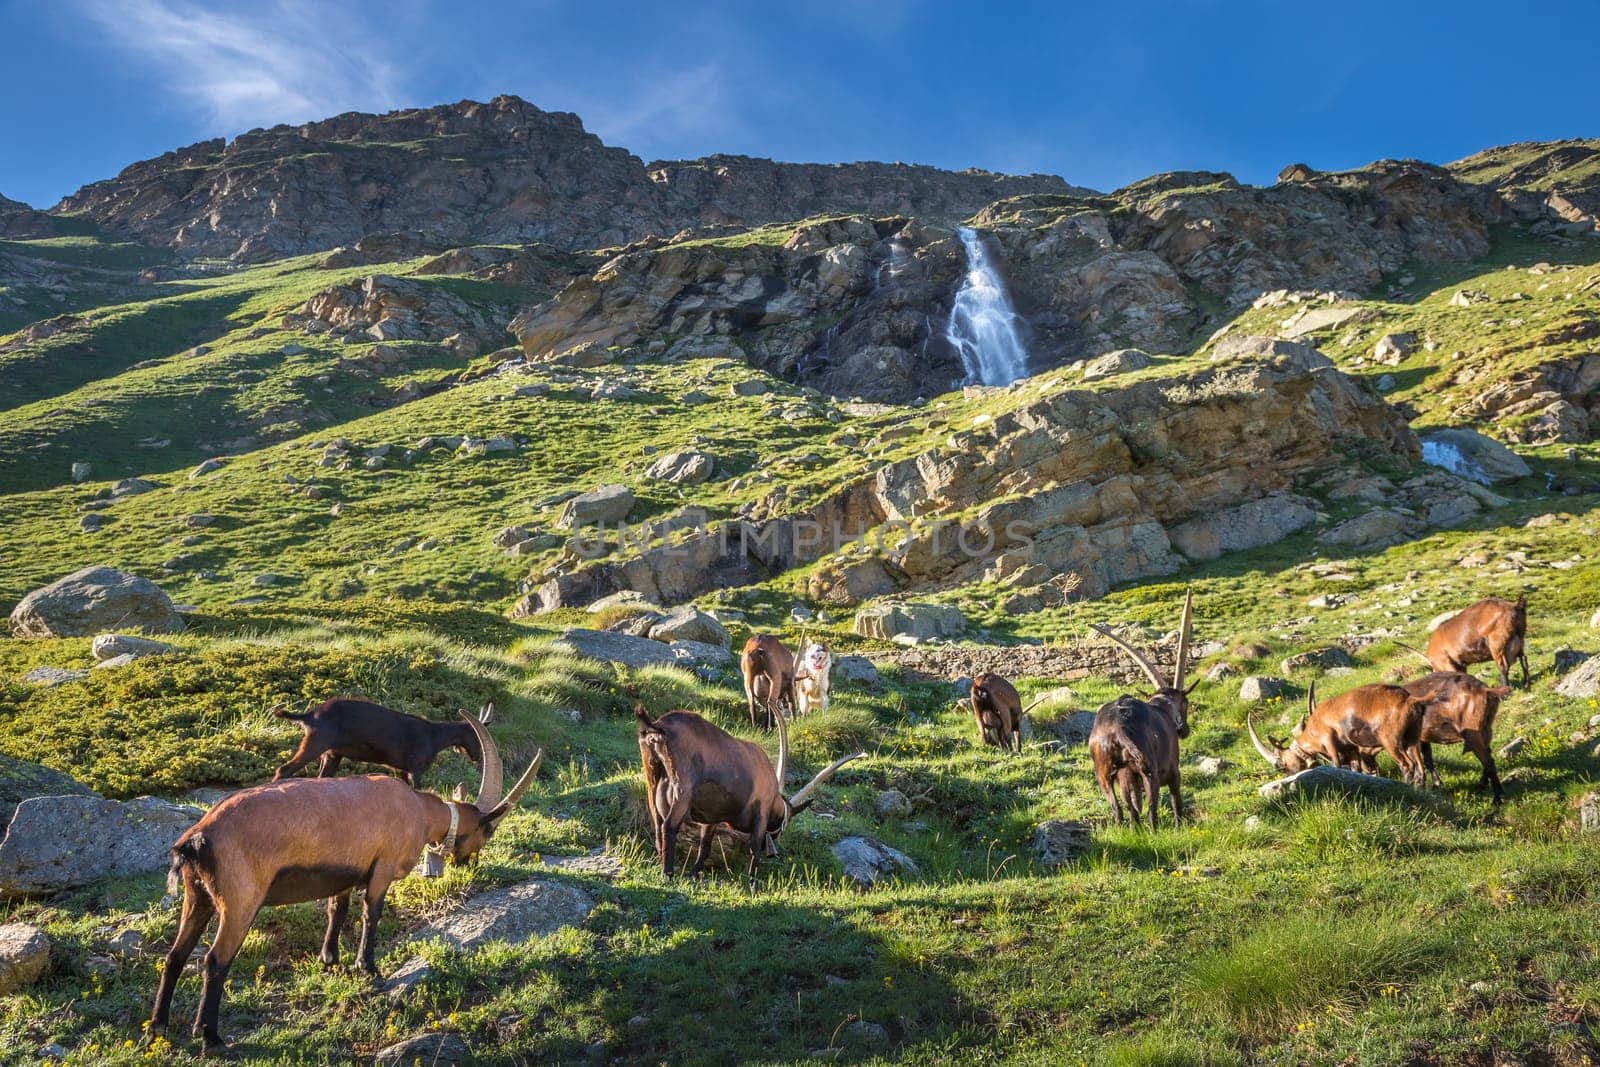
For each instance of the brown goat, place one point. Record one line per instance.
(1492, 629)
(1338, 729)
(1461, 711)
(998, 709)
(341, 729)
(308, 838)
(697, 772)
(1134, 743)
(768, 670)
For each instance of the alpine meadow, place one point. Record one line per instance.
(476, 596)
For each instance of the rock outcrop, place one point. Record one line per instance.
(1085, 485)
(1556, 402)
(861, 305)
(503, 171)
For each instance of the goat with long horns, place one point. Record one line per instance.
(308, 838)
(1134, 743)
(696, 772)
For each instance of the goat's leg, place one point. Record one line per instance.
(1108, 790)
(1153, 798)
(197, 912)
(338, 909)
(231, 931)
(1428, 765)
(670, 823)
(1478, 744)
(371, 914)
(1175, 790)
(1522, 658)
(750, 701)
(330, 764)
(1130, 796)
(1502, 663)
(310, 749)
(702, 849)
(758, 842)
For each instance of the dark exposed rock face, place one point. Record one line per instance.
(860, 306)
(854, 305)
(19, 220)
(502, 171)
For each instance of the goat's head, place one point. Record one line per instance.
(1288, 755)
(788, 807)
(471, 825)
(1173, 697)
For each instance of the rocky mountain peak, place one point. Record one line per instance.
(495, 172)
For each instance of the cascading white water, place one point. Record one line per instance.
(983, 324)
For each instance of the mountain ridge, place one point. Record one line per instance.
(471, 172)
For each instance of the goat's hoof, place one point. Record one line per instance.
(329, 962)
(214, 1045)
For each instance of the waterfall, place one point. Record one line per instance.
(983, 324)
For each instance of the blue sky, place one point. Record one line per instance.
(1101, 94)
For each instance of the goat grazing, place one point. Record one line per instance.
(1368, 717)
(309, 838)
(768, 670)
(1461, 710)
(360, 730)
(998, 709)
(1492, 629)
(696, 772)
(1134, 743)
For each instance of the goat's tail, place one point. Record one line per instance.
(284, 713)
(643, 719)
(191, 850)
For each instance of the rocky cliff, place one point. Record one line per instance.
(860, 306)
(502, 171)
(1067, 494)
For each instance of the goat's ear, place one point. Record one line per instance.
(1193, 686)
(798, 808)
(772, 844)
(1501, 691)
(486, 713)
(459, 793)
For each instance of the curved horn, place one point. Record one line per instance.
(1417, 652)
(1144, 664)
(783, 747)
(1184, 627)
(1273, 756)
(1036, 701)
(822, 776)
(489, 789)
(517, 790)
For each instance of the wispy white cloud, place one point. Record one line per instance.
(276, 61)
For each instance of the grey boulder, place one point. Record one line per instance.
(92, 600)
(56, 843)
(867, 862)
